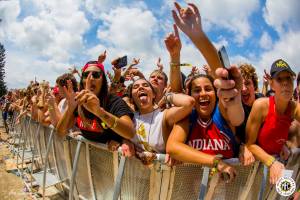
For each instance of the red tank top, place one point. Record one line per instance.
(209, 139)
(274, 132)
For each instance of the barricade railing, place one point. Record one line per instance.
(83, 169)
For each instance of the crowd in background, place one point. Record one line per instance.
(213, 113)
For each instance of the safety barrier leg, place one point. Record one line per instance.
(46, 162)
(74, 170)
(263, 183)
(24, 146)
(118, 184)
(204, 182)
(88, 161)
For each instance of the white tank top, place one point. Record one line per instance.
(149, 135)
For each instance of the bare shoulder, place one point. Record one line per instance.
(261, 106)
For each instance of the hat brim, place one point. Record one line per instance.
(282, 70)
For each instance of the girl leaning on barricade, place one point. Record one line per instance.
(270, 119)
(208, 134)
(152, 124)
(100, 116)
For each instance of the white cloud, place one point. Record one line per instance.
(229, 14)
(282, 15)
(287, 48)
(265, 41)
(43, 40)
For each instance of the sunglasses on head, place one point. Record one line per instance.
(94, 74)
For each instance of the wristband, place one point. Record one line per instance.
(270, 162)
(216, 162)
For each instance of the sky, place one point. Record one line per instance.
(44, 38)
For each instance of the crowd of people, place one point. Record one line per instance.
(212, 114)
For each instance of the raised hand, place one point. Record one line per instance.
(70, 95)
(102, 57)
(173, 43)
(133, 63)
(159, 64)
(188, 20)
(229, 90)
(207, 69)
(195, 70)
(267, 77)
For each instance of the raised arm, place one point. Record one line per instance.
(183, 104)
(189, 21)
(68, 118)
(173, 45)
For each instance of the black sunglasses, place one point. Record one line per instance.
(95, 75)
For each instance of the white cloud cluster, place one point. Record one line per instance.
(47, 38)
(283, 15)
(229, 14)
(265, 41)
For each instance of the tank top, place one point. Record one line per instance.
(274, 132)
(213, 137)
(149, 135)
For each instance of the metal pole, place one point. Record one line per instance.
(74, 170)
(117, 189)
(88, 162)
(46, 161)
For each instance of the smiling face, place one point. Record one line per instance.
(204, 94)
(96, 79)
(142, 95)
(248, 92)
(283, 85)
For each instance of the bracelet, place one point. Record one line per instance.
(170, 100)
(270, 162)
(174, 64)
(216, 162)
(50, 108)
(115, 123)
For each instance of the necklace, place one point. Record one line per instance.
(203, 123)
(142, 132)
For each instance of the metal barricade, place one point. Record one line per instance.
(89, 171)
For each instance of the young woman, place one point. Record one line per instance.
(208, 134)
(270, 118)
(153, 125)
(100, 116)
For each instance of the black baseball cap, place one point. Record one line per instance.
(280, 66)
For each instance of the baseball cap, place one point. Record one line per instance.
(279, 66)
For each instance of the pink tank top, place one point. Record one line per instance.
(274, 132)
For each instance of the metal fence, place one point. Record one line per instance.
(81, 169)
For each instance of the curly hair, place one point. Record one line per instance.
(248, 72)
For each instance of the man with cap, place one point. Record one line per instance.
(269, 121)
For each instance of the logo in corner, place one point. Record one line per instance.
(285, 186)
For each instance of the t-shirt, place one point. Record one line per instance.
(95, 131)
(149, 135)
(213, 137)
(241, 129)
(62, 105)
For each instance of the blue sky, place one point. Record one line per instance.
(44, 38)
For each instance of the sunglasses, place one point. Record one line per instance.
(95, 75)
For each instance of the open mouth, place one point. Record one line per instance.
(142, 96)
(245, 97)
(93, 87)
(204, 102)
